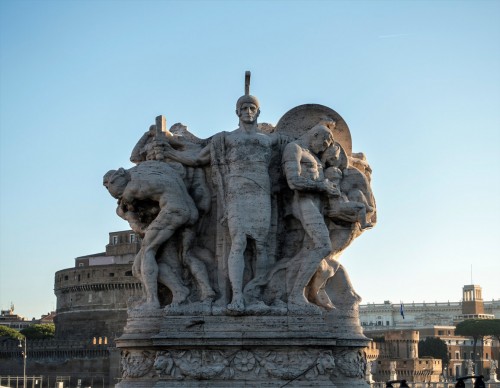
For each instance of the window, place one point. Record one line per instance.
(132, 238)
(80, 264)
(128, 273)
(387, 323)
(111, 274)
(457, 355)
(114, 240)
(465, 356)
(440, 332)
(487, 356)
(66, 277)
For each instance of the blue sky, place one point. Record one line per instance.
(418, 83)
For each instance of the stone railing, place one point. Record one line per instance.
(51, 348)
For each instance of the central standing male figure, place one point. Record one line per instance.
(240, 167)
(247, 196)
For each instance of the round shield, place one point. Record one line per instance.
(302, 118)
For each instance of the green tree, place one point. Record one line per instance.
(8, 333)
(434, 347)
(39, 331)
(478, 329)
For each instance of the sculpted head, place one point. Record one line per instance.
(116, 181)
(319, 138)
(248, 109)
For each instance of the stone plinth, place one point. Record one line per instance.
(239, 351)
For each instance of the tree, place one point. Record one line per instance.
(478, 329)
(7, 333)
(434, 347)
(39, 331)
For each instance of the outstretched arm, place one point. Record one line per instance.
(189, 158)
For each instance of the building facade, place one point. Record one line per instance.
(381, 321)
(92, 296)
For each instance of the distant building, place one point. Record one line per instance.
(92, 296)
(18, 322)
(395, 356)
(384, 321)
(374, 316)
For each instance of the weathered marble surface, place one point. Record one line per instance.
(241, 239)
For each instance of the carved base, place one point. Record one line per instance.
(242, 351)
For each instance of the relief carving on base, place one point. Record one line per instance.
(137, 363)
(244, 364)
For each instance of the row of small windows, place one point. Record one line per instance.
(378, 323)
(100, 341)
(457, 355)
(110, 274)
(132, 238)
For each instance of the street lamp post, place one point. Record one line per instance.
(25, 355)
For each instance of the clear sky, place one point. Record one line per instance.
(418, 83)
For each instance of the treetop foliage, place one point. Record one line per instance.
(39, 331)
(9, 333)
(477, 328)
(434, 347)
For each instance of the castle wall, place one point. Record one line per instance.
(92, 301)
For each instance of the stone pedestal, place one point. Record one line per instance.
(242, 351)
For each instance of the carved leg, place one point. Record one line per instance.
(236, 267)
(153, 239)
(317, 293)
(149, 270)
(199, 271)
(262, 259)
(318, 232)
(197, 267)
(168, 277)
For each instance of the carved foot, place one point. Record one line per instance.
(207, 294)
(258, 308)
(180, 295)
(303, 308)
(322, 299)
(237, 306)
(195, 308)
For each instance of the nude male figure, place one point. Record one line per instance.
(157, 181)
(304, 174)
